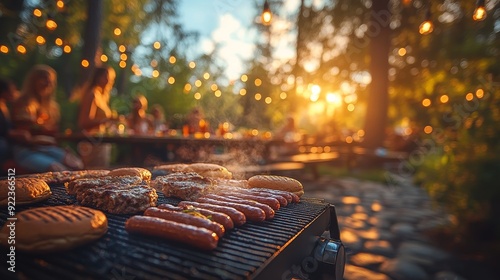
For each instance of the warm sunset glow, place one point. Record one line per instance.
(334, 99)
(85, 63)
(444, 98)
(243, 92)
(258, 96)
(40, 40)
(426, 102)
(428, 129)
(104, 58)
(480, 93)
(172, 59)
(157, 45)
(117, 31)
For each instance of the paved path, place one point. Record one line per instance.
(382, 227)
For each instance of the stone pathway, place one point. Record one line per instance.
(381, 227)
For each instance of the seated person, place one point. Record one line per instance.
(159, 123)
(35, 119)
(95, 114)
(139, 122)
(8, 93)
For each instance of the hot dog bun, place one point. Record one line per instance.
(27, 190)
(131, 171)
(276, 183)
(209, 170)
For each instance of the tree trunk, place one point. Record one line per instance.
(91, 39)
(376, 113)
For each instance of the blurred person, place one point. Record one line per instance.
(8, 94)
(290, 136)
(95, 115)
(159, 122)
(35, 118)
(196, 121)
(139, 122)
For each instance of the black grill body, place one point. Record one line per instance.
(266, 250)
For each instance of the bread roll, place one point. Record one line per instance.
(131, 171)
(56, 228)
(27, 190)
(276, 183)
(209, 170)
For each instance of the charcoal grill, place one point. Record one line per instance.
(293, 244)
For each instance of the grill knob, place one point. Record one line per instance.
(331, 254)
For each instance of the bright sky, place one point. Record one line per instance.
(222, 22)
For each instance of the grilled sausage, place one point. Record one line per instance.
(237, 216)
(217, 217)
(267, 210)
(201, 238)
(186, 218)
(252, 213)
(281, 199)
(290, 197)
(269, 201)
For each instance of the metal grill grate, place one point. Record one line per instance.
(119, 255)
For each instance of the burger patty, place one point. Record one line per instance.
(119, 198)
(78, 185)
(184, 185)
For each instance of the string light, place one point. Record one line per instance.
(427, 26)
(266, 16)
(21, 49)
(67, 49)
(243, 92)
(85, 63)
(244, 78)
(172, 59)
(122, 64)
(258, 82)
(40, 40)
(283, 95)
(60, 4)
(58, 41)
(171, 80)
(117, 31)
(4, 49)
(480, 11)
(37, 12)
(157, 45)
(426, 102)
(104, 58)
(122, 48)
(51, 24)
(192, 64)
(258, 96)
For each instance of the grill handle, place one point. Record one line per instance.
(330, 252)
